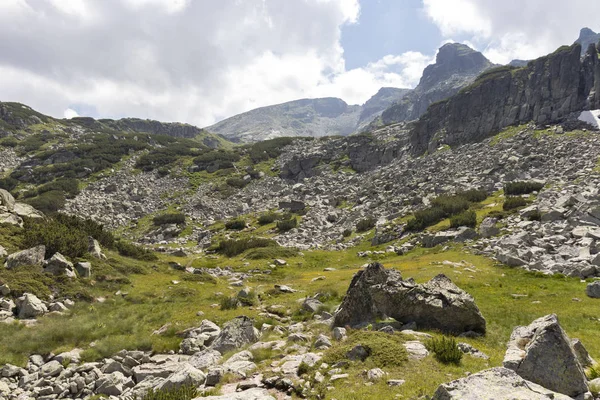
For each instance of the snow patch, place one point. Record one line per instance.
(591, 117)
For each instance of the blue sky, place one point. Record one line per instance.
(200, 61)
(388, 27)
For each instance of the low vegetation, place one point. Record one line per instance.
(522, 187)
(365, 224)
(232, 247)
(513, 202)
(445, 350)
(171, 218)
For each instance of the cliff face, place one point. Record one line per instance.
(456, 66)
(153, 127)
(546, 90)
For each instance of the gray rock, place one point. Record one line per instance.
(3, 252)
(496, 384)
(29, 306)
(59, 265)
(187, 375)
(542, 353)
(214, 376)
(30, 257)
(339, 333)
(25, 210)
(582, 354)
(593, 290)
(375, 374)
(251, 394)
(235, 334)
(311, 305)
(377, 293)
(50, 369)
(358, 352)
(205, 359)
(240, 363)
(94, 249)
(7, 200)
(322, 342)
(488, 228)
(84, 269)
(113, 384)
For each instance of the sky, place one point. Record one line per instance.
(200, 61)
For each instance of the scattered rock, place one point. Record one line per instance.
(30, 257)
(235, 334)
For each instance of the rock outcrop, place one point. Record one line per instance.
(376, 293)
(496, 384)
(456, 66)
(542, 353)
(30, 257)
(548, 90)
(587, 37)
(235, 334)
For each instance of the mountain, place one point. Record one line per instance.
(548, 90)
(456, 66)
(306, 117)
(587, 37)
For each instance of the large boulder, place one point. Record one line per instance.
(252, 394)
(593, 290)
(29, 257)
(59, 265)
(185, 376)
(236, 333)
(29, 306)
(542, 353)
(496, 384)
(7, 201)
(377, 293)
(25, 210)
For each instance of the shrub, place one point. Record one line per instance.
(233, 248)
(424, 218)
(450, 205)
(512, 202)
(87, 227)
(465, 218)
(171, 218)
(473, 195)
(268, 218)
(56, 236)
(8, 183)
(235, 224)
(70, 186)
(250, 300)
(385, 350)
(9, 141)
(522, 187)
(303, 368)
(182, 393)
(347, 233)
(237, 182)
(131, 250)
(365, 224)
(263, 151)
(287, 224)
(445, 350)
(48, 202)
(229, 303)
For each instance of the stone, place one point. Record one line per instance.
(94, 249)
(185, 376)
(358, 352)
(51, 369)
(322, 342)
(205, 359)
(240, 363)
(163, 370)
(339, 334)
(593, 290)
(27, 211)
(510, 259)
(375, 374)
(11, 219)
(113, 384)
(29, 306)
(84, 269)
(214, 376)
(377, 293)
(31, 257)
(236, 333)
(59, 265)
(285, 289)
(488, 228)
(542, 353)
(311, 305)
(497, 384)
(7, 200)
(415, 349)
(3, 252)
(582, 354)
(251, 394)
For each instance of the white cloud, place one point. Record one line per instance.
(184, 60)
(70, 113)
(509, 29)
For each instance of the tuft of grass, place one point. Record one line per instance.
(385, 350)
(183, 393)
(235, 225)
(445, 350)
(513, 202)
(593, 372)
(229, 303)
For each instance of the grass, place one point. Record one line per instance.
(152, 300)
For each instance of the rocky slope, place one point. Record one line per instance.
(456, 66)
(587, 37)
(549, 90)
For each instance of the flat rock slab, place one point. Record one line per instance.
(495, 384)
(252, 394)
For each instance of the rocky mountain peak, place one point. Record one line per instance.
(587, 37)
(452, 59)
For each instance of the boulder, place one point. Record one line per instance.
(496, 384)
(488, 228)
(113, 384)
(542, 353)
(7, 200)
(94, 249)
(59, 265)
(185, 376)
(377, 293)
(29, 306)
(11, 219)
(251, 394)
(205, 359)
(236, 333)
(30, 257)
(593, 290)
(84, 269)
(240, 363)
(311, 305)
(25, 210)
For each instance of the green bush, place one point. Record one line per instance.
(8, 183)
(215, 160)
(465, 218)
(424, 218)
(183, 393)
(56, 236)
(366, 224)
(522, 187)
(127, 249)
(385, 350)
(69, 186)
(263, 151)
(347, 233)
(512, 202)
(87, 227)
(171, 218)
(235, 224)
(593, 372)
(451, 204)
(445, 350)
(287, 224)
(250, 300)
(268, 218)
(229, 303)
(303, 368)
(48, 202)
(232, 248)
(473, 195)
(9, 141)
